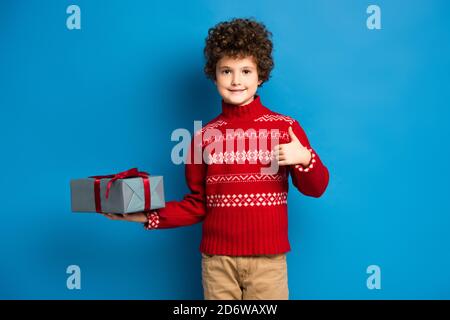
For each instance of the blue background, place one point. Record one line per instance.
(106, 98)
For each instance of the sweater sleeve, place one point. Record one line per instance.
(191, 209)
(313, 179)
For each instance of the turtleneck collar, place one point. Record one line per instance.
(247, 111)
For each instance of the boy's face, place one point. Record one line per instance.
(237, 79)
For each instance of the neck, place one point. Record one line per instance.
(249, 110)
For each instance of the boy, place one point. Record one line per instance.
(244, 212)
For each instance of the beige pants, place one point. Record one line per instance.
(258, 277)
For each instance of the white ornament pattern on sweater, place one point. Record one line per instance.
(276, 117)
(311, 164)
(152, 220)
(281, 136)
(244, 177)
(213, 125)
(251, 156)
(246, 199)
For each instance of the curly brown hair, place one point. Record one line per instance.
(239, 38)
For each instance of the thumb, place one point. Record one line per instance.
(292, 134)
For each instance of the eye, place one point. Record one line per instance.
(226, 71)
(247, 71)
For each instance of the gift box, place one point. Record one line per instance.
(125, 192)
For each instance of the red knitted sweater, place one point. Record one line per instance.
(244, 211)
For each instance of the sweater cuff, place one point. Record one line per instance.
(311, 164)
(152, 220)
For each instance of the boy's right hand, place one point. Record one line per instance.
(140, 217)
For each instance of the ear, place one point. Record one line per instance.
(259, 82)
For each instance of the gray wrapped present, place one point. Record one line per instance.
(125, 192)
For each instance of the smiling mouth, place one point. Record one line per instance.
(237, 91)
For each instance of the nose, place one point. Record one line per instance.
(235, 80)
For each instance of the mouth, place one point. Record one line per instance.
(234, 91)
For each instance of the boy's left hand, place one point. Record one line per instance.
(292, 153)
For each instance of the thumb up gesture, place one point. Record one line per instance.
(292, 153)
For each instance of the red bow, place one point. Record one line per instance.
(131, 173)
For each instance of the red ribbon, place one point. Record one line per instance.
(131, 173)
